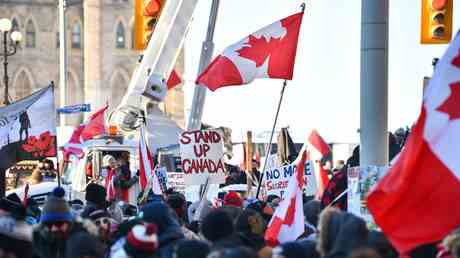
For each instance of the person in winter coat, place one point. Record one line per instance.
(178, 203)
(15, 237)
(84, 245)
(57, 225)
(340, 233)
(141, 242)
(191, 249)
(169, 230)
(250, 227)
(296, 249)
(95, 196)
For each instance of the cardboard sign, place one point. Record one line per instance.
(202, 157)
(176, 181)
(360, 181)
(276, 180)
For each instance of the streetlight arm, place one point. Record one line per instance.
(13, 49)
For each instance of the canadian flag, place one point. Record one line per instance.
(417, 202)
(287, 223)
(319, 149)
(95, 126)
(267, 53)
(146, 168)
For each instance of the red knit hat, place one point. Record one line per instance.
(233, 199)
(143, 238)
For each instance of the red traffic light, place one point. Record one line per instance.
(439, 5)
(152, 8)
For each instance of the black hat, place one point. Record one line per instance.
(13, 205)
(96, 194)
(192, 249)
(217, 225)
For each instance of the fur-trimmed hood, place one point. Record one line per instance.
(340, 233)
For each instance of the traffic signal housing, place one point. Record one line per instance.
(146, 15)
(436, 23)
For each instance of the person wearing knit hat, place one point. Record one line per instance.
(56, 208)
(217, 225)
(141, 242)
(13, 206)
(101, 218)
(233, 199)
(56, 225)
(295, 250)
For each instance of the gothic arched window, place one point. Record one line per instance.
(30, 34)
(76, 35)
(120, 35)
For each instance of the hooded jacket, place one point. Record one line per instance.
(169, 230)
(340, 233)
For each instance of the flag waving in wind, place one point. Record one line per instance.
(417, 202)
(267, 53)
(319, 149)
(287, 224)
(146, 168)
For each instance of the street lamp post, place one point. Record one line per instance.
(8, 50)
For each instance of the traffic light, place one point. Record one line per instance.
(146, 15)
(436, 24)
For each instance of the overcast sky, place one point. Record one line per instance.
(324, 93)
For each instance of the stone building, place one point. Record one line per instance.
(100, 52)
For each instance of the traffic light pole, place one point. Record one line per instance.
(374, 83)
(199, 96)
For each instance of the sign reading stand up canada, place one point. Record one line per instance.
(202, 155)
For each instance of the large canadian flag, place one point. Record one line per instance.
(267, 53)
(417, 202)
(287, 224)
(318, 150)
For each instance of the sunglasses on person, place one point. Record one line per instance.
(59, 224)
(102, 221)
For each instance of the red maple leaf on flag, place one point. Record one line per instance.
(450, 106)
(259, 49)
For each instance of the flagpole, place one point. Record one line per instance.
(271, 139)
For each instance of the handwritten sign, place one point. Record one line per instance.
(176, 181)
(276, 179)
(202, 157)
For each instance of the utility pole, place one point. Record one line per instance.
(199, 96)
(374, 83)
(62, 57)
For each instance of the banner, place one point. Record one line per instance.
(202, 157)
(276, 179)
(28, 128)
(360, 181)
(74, 109)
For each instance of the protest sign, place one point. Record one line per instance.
(276, 179)
(162, 176)
(176, 181)
(202, 157)
(360, 181)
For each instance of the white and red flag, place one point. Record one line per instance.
(288, 221)
(173, 80)
(94, 127)
(267, 53)
(318, 150)
(417, 202)
(146, 167)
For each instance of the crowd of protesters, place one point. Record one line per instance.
(168, 226)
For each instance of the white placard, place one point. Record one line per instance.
(276, 179)
(202, 157)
